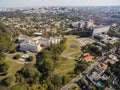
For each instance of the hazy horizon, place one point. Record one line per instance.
(40, 3)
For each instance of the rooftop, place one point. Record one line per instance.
(30, 42)
(104, 66)
(110, 61)
(89, 58)
(113, 57)
(86, 54)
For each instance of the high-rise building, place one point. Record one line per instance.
(86, 24)
(79, 26)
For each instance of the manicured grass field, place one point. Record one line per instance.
(77, 54)
(71, 40)
(64, 66)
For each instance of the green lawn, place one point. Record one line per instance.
(64, 66)
(13, 68)
(77, 54)
(71, 41)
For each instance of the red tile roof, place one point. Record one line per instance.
(89, 58)
(86, 54)
(104, 66)
(109, 60)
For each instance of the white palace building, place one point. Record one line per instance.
(34, 43)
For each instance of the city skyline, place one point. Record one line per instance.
(39, 3)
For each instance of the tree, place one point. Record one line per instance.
(63, 41)
(44, 54)
(107, 72)
(65, 80)
(17, 87)
(8, 81)
(57, 80)
(93, 49)
(113, 32)
(30, 58)
(5, 37)
(49, 84)
(51, 87)
(30, 74)
(17, 56)
(80, 67)
(48, 64)
(2, 55)
(56, 57)
(3, 66)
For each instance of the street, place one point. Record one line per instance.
(71, 84)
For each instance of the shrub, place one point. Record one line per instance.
(30, 58)
(16, 56)
(8, 81)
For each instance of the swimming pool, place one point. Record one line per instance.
(99, 83)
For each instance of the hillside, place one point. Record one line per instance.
(5, 37)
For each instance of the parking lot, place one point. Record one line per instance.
(85, 41)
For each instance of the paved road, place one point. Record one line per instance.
(70, 85)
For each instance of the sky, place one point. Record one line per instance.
(39, 3)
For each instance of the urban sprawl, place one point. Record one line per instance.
(60, 48)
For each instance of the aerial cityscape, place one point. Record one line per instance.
(60, 45)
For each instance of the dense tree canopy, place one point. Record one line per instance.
(17, 87)
(3, 65)
(5, 37)
(29, 73)
(30, 58)
(114, 31)
(80, 67)
(8, 81)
